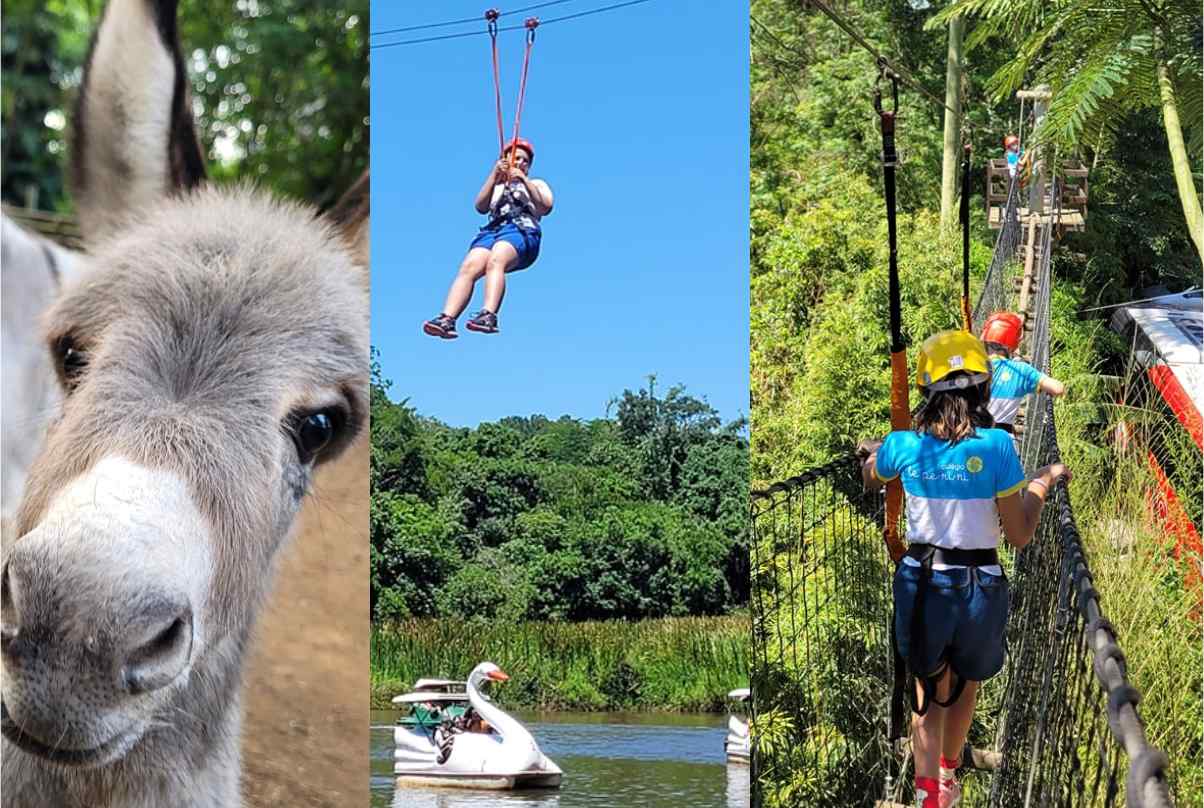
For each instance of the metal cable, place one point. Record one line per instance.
(509, 27)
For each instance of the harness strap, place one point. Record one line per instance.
(964, 216)
(927, 555)
(900, 412)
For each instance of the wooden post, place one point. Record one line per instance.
(1036, 190)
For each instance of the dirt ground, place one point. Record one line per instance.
(305, 731)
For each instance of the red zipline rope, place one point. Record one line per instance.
(491, 15)
(531, 24)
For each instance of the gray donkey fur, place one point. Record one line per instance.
(207, 327)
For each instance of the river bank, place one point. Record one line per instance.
(675, 664)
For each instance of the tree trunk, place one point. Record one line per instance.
(1183, 178)
(953, 120)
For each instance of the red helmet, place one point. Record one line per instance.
(520, 143)
(1003, 328)
(1010, 141)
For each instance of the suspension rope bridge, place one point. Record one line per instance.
(1067, 730)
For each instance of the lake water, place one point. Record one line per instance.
(610, 760)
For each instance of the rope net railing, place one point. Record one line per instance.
(1059, 727)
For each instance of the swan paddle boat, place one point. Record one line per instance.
(482, 747)
(736, 743)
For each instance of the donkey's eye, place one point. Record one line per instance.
(314, 431)
(71, 361)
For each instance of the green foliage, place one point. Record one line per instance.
(1099, 59)
(642, 515)
(282, 88)
(682, 663)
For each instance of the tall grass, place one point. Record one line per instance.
(1141, 583)
(679, 663)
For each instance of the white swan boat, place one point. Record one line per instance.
(736, 743)
(484, 748)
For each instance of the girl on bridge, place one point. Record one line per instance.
(962, 478)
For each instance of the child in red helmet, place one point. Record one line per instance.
(508, 242)
(1011, 379)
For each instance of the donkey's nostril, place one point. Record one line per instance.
(158, 658)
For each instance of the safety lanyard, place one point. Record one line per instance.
(491, 18)
(964, 218)
(900, 414)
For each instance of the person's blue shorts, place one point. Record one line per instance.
(963, 620)
(525, 242)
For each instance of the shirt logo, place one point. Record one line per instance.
(974, 464)
(1005, 376)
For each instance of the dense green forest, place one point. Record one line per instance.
(640, 514)
(819, 342)
(818, 226)
(280, 88)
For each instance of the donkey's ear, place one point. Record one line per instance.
(134, 139)
(351, 216)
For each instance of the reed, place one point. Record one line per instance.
(679, 663)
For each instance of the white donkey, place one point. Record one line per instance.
(33, 270)
(210, 355)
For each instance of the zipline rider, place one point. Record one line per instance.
(508, 242)
(961, 478)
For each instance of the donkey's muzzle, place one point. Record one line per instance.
(84, 649)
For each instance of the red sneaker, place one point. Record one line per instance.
(483, 322)
(441, 326)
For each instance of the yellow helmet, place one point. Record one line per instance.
(947, 352)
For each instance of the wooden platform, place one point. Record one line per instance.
(1068, 220)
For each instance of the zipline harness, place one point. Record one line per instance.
(491, 18)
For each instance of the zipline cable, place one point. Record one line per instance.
(508, 27)
(466, 20)
(902, 74)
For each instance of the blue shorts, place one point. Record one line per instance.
(963, 623)
(524, 242)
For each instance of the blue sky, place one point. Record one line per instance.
(639, 117)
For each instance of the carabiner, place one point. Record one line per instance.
(531, 24)
(491, 17)
(884, 72)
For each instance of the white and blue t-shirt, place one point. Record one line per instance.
(951, 488)
(1011, 381)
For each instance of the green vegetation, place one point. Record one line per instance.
(641, 515)
(819, 324)
(1103, 60)
(603, 564)
(283, 88)
(679, 663)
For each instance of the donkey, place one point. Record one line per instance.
(34, 269)
(210, 355)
